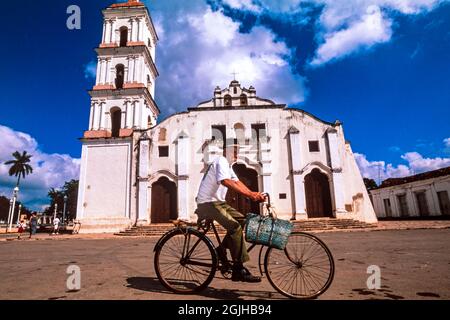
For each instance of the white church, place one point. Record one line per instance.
(135, 171)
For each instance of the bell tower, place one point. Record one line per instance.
(123, 95)
(122, 107)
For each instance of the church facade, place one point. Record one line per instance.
(136, 171)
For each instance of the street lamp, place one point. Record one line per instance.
(56, 208)
(18, 215)
(9, 214)
(64, 211)
(16, 191)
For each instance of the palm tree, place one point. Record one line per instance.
(19, 165)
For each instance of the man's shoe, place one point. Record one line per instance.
(242, 274)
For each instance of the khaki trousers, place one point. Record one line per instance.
(233, 221)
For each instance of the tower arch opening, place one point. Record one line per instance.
(116, 121)
(123, 36)
(120, 76)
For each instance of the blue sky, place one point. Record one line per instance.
(380, 66)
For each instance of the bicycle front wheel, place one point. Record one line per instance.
(185, 261)
(303, 270)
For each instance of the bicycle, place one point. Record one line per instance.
(186, 261)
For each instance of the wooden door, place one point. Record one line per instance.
(164, 201)
(248, 177)
(318, 197)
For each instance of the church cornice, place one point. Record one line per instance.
(134, 49)
(312, 116)
(275, 106)
(125, 93)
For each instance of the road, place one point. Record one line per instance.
(414, 264)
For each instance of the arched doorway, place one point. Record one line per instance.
(250, 178)
(164, 201)
(318, 197)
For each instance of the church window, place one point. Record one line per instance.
(313, 146)
(123, 36)
(235, 90)
(282, 196)
(163, 151)
(162, 134)
(227, 100)
(120, 75)
(244, 100)
(219, 134)
(258, 132)
(116, 118)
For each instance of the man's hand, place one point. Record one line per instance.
(257, 197)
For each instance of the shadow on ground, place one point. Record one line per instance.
(150, 284)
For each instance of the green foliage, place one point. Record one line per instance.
(70, 189)
(19, 165)
(370, 183)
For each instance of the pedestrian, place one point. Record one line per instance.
(56, 222)
(22, 225)
(33, 224)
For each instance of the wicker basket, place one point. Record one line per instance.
(267, 231)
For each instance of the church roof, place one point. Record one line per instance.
(129, 3)
(418, 177)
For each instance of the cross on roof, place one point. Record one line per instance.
(234, 74)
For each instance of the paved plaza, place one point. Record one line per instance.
(414, 264)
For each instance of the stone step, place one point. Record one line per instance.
(319, 224)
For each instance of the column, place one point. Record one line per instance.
(108, 71)
(141, 29)
(138, 33)
(183, 178)
(100, 70)
(135, 111)
(266, 164)
(142, 216)
(104, 32)
(113, 31)
(299, 187)
(128, 115)
(435, 209)
(133, 30)
(102, 115)
(139, 70)
(134, 69)
(103, 75)
(91, 115)
(97, 78)
(338, 179)
(96, 116)
(107, 31)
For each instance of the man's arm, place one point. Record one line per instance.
(241, 188)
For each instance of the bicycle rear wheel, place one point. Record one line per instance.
(185, 261)
(303, 270)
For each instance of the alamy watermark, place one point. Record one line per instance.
(74, 20)
(73, 282)
(374, 280)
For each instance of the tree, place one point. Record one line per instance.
(370, 183)
(70, 189)
(19, 165)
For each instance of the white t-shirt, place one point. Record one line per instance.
(210, 188)
(56, 221)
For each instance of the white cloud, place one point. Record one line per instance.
(49, 170)
(344, 27)
(416, 163)
(243, 4)
(373, 28)
(447, 142)
(90, 70)
(201, 48)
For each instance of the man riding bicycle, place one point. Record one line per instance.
(211, 205)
